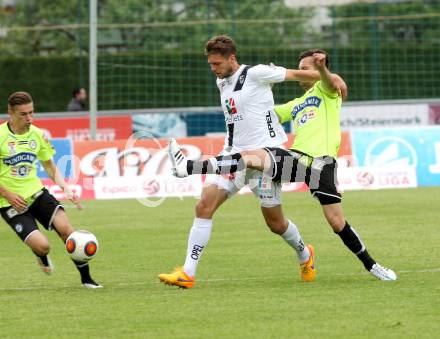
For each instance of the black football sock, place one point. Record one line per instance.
(368, 261)
(224, 164)
(83, 268)
(43, 259)
(352, 240)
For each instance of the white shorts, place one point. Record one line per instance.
(262, 186)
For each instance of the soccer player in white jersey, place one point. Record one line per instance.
(23, 198)
(248, 105)
(311, 159)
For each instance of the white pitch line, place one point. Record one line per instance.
(139, 283)
(427, 270)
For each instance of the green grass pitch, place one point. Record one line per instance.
(247, 284)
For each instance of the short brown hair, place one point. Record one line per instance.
(221, 44)
(19, 98)
(310, 52)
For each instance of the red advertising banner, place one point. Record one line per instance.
(137, 168)
(149, 157)
(131, 168)
(123, 158)
(77, 129)
(58, 193)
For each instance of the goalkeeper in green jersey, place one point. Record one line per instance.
(23, 198)
(311, 159)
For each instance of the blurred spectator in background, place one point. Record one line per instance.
(434, 114)
(78, 101)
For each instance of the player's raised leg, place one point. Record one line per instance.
(177, 158)
(182, 167)
(258, 159)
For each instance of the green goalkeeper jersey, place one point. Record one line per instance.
(18, 161)
(316, 121)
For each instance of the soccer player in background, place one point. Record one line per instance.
(312, 157)
(23, 198)
(247, 101)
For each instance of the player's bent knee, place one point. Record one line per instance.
(65, 231)
(41, 247)
(44, 248)
(62, 225)
(277, 228)
(276, 225)
(205, 209)
(336, 222)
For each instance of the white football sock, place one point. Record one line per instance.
(197, 241)
(293, 238)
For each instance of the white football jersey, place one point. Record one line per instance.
(248, 105)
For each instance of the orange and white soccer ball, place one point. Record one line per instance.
(82, 245)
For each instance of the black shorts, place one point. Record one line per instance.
(318, 173)
(43, 210)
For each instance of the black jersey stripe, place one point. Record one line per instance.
(241, 79)
(230, 134)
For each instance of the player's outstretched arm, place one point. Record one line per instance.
(53, 173)
(16, 200)
(330, 82)
(302, 75)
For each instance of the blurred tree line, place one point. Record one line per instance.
(44, 46)
(400, 22)
(43, 27)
